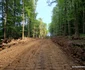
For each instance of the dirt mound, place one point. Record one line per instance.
(7, 43)
(73, 47)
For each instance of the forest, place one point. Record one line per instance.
(68, 27)
(28, 43)
(18, 20)
(68, 18)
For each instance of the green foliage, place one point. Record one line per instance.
(68, 18)
(40, 29)
(13, 11)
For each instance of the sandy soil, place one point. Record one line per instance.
(40, 54)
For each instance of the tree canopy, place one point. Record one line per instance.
(68, 18)
(18, 19)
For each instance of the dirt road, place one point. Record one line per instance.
(41, 54)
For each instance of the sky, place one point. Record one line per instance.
(44, 11)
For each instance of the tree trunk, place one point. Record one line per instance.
(23, 22)
(65, 26)
(65, 21)
(69, 29)
(76, 29)
(83, 21)
(76, 21)
(5, 20)
(14, 11)
(28, 28)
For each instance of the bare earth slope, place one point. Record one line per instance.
(41, 54)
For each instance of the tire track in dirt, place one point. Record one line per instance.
(21, 62)
(42, 55)
(31, 64)
(51, 57)
(14, 53)
(59, 60)
(43, 61)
